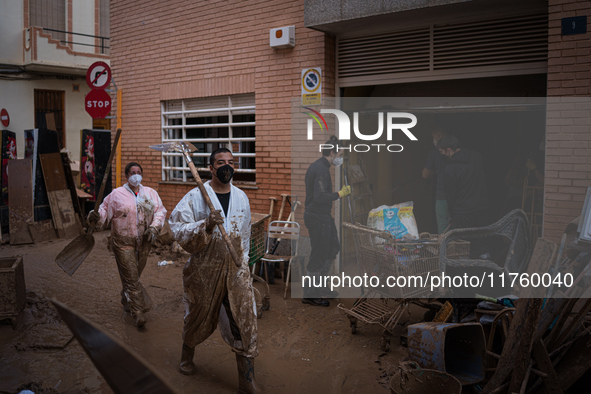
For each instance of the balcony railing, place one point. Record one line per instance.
(103, 46)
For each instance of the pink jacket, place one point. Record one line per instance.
(129, 215)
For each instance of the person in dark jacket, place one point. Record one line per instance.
(434, 169)
(465, 187)
(324, 239)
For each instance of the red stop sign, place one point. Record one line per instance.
(97, 103)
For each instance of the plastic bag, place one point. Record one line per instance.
(398, 220)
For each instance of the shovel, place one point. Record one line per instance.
(123, 369)
(70, 258)
(185, 148)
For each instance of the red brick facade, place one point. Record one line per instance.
(200, 49)
(568, 130)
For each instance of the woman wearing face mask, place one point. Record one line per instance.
(136, 215)
(324, 239)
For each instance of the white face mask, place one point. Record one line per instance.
(337, 161)
(135, 180)
(435, 142)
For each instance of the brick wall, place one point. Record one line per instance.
(180, 49)
(568, 130)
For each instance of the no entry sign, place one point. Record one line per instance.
(97, 103)
(4, 117)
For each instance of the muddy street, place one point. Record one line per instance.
(302, 348)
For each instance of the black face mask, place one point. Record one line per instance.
(225, 173)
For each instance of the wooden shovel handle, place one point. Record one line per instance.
(283, 200)
(99, 197)
(197, 178)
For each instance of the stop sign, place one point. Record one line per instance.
(97, 103)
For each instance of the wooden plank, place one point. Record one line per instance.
(50, 121)
(20, 200)
(62, 210)
(53, 171)
(517, 348)
(543, 256)
(522, 357)
(70, 181)
(544, 363)
(42, 231)
(548, 315)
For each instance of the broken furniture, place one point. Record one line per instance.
(549, 338)
(455, 348)
(501, 319)
(509, 244)
(286, 232)
(7, 153)
(12, 287)
(20, 196)
(381, 255)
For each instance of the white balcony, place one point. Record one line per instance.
(71, 54)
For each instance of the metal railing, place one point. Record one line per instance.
(103, 47)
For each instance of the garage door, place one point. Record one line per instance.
(503, 46)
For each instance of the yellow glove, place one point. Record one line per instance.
(530, 164)
(345, 191)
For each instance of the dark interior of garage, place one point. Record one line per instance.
(506, 136)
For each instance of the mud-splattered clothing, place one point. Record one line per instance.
(130, 216)
(211, 280)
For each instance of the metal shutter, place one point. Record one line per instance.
(431, 50)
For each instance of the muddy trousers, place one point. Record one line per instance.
(217, 293)
(133, 295)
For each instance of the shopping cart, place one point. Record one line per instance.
(403, 271)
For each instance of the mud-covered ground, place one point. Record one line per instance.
(302, 348)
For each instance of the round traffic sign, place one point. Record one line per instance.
(311, 80)
(4, 117)
(98, 75)
(97, 103)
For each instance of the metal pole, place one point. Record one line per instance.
(118, 171)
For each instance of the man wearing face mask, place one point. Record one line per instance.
(324, 240)
(215, 290)
(136, 215)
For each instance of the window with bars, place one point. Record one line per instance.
(210, 123)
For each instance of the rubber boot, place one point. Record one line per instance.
(246, 382)
(140, 320)
(186, 367)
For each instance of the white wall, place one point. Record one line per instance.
(17, 97)
(11, 31)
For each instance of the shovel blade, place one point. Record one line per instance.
(70, 258)
(174, 146)
(123, 369)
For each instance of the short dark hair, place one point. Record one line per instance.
(449, 141)
(215, 152)
(132, 164)
(335, 142)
